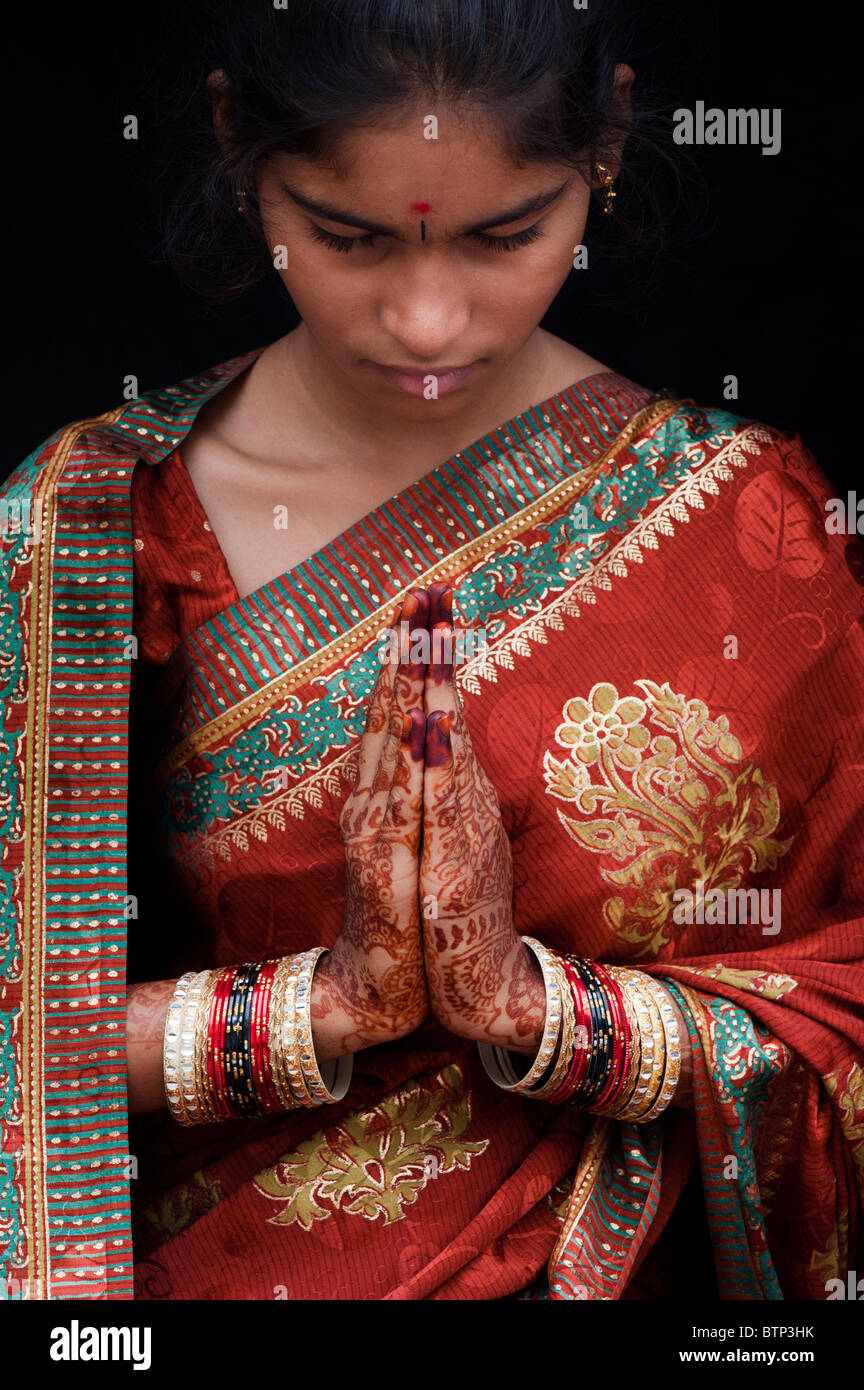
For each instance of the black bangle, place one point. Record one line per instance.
(601, 1040)
(240, 1088)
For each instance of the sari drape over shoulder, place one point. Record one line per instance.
(676, 639)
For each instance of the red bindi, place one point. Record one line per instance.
(419, 207)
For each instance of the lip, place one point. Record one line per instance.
(411, 380)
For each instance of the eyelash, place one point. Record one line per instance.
(492, 243)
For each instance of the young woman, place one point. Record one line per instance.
(614, 838)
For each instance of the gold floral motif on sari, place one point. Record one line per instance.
(768, 984)
(833, 1261)
(847, 1092)
(377, 1161)
(681, 807)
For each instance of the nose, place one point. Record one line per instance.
(426, 306)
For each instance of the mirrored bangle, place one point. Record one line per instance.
(339, 1069)
(281, 1080)
(659, 1056)
(568, 1038)
(171, 1049)
(291, 1042)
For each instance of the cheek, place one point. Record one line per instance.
(524, 285)
(321, 286)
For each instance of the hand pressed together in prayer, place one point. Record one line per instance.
(483, 981)
(428, 916)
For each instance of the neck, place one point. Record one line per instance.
(294, 392)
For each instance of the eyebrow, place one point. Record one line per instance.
(333, 214)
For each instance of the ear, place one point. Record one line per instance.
(220, 97)
(623, 80)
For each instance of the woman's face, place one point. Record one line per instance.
(421, 255)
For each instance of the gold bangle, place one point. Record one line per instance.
(188, 1048)
(207, 1113)
(651, 1052)
(659, 1054)
(275, 1030)
(568, 1035)
(312, 1083)
(297, 1078)
(629, 1086)
(672, 1048)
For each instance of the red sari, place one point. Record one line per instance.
(642, 568)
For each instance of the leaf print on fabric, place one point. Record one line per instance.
(376, 1162)
(180, 1206)
(681, 807)
(777, 527)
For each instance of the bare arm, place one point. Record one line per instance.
(146, 1011)
(335, 1033)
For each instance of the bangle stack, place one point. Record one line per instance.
(238, 1043)
(610, 1041)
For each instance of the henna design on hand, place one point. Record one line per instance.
(479, 974)
(373, 979)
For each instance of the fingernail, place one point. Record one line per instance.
(414, 734)
(421, 615)
(440, 603)
(437, 739)
(442, 647)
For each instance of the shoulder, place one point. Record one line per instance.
(147, 426)
(768, 474)
(785, 511)
(679, 432)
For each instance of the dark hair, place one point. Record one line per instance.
(303, 75)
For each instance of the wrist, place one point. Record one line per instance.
(527, 991)
(351, 1010)
(516, 1018)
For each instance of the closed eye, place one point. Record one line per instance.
(509, 243)
(492, 243)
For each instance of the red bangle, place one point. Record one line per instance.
(216, 1042)
(620, 1035)
(579, 1064)
(268, 1098)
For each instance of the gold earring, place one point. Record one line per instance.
(241, 194)
(607, 179)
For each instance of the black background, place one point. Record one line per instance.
(758, 288)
